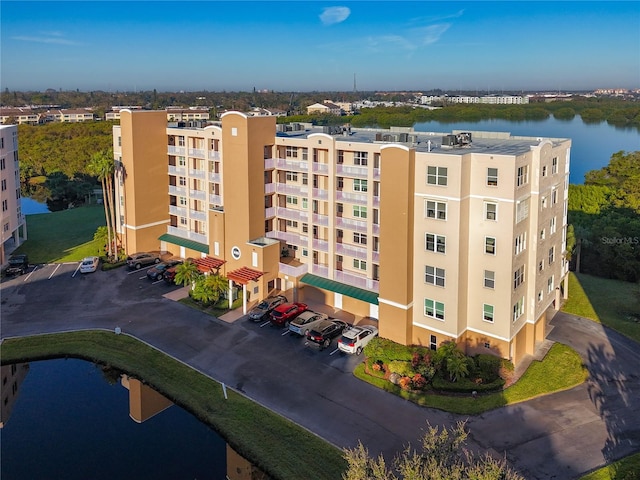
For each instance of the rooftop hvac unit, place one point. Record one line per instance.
(449, 140)
(464, 138)
(403, 137)
(378, 137)
(413, 138)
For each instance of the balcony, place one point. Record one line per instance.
(200, 174)
(188, 234)
(320, 167)
(357, 281)
(215, 177)
(178, 191)
(215, 199)
(181, 171)
(376, 201)
(269, 188)
(357, 198)
(321, 220)
(351, 251)
(292, 165)
(376, 174)
(173, 150)
(288, 189)
(293, 269)
(290, 238)
(197, 195)
(214, 155)
(198, 215)
(320, 245)
(178, 211)
(376, 257)
(321, 270)
(292, 214)
(197, 152)
(355, 225)
(376, 229)
(320, 194)
(352, 171)
(269, 163)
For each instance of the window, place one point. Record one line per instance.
(554, 165)
(433, 309)
(2, 164)
(487, 313)
(490, 211)
(540, 265)
(291, 152)
(376, 160)
(490, 245)
(183, 220)
(489, 279)
(376, 244)
(520, 243)
(437, 176)
(518, 309)
(552, 226)
(182, 162)
(359, 264)
(4, 184)
(292, 223)
(305, 228)
(550, 284)
(359, 212)
(433, 345)
(436, 209)
(492, 177)
(360, 158)
(359, 185)
(522, 210)
(5, 227)
(305, 179)
(542, 234)
(305, 202)
(435, 243)
(523, 176)
(518, 277)
(552, 252)
(291, 200)
(360, 238)
(544, 170)
(554, 196)
(305, 154)
(305, 252)
(5, 205)
(182, 201)
(182, 181)
(434, 276)
(340, 156)
(292, 176)
(543, 202)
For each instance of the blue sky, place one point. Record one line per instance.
(316, 45)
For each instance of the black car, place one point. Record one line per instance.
(157, 271)
(265, 307)
(326, 331)
(18, 264)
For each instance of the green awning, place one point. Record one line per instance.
(343, 288)
(184, 242)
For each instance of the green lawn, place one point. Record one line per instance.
(561, 369)
(277, 446)
(63, 236)
(613, 303)
(626, 469)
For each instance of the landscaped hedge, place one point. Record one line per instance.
(464, 385)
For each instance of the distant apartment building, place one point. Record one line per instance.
(14, 227)
(487, 99)
(324, 107)
(19, 115)
(173, 114)
(70, 115)
(457, 236)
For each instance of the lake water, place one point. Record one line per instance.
(29, 206)
(69, 422)
(591, 147)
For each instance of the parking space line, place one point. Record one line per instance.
(54, 270)
(77, 268)
(285, 333)
(142, 278)
(265, 324)
(336, 350)
(157, 281)
(30, 273)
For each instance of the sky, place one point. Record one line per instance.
(319, 46)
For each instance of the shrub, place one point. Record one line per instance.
(401, 368)
(387, 350)
(418, 382)
(405, 383)
(487, 367)
(465, 385)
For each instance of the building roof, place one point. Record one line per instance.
(244, 275)
(184, 242)
(208, 264)
(343, 288)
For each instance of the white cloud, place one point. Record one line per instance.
(333, 15)
(46, 37)
(430, 34)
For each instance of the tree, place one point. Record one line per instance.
(443, 456)
(209, 288)
(187, 273)
(102, 166)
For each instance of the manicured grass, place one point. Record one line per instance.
(63, 236)
(627, 468)
(613, 303)
(279, 447)
(561, 369)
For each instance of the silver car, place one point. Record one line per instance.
(356, 338)
(306, 321)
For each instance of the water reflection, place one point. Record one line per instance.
(69, 419)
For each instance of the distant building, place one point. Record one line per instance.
(266, 112)
(324, 107)
(20, 116)
(12, 221)
(490, 99)
(187, 114)
(70, 115)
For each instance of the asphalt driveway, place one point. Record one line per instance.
(557, 436)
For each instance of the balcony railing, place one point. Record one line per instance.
(351, 251)
(321, 245)
(179, 191)
(197, 195)
(376, 201)
(321, 270)
(174, 170)
(198, 215)
(376, 257)
(292, 214)
(290, 238)
(355, 225)
(320, 194)
(292, 165)
(320, 167)
(287, 189)
(376, 174)
(321, 220)
(188, 234)
(215, 199)
(286, 269)
(269, 188)
(197, 152)
(201, 174)
(215, 177)
(178, 211)
(172, 150)
(357, 198)
(214, 155)
(376, 229)
(351, 171)
(269, 163)
(357, 280)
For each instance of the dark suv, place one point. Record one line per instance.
(324, 332)
(265, 307)
(18, 264)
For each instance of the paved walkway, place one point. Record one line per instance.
(558, 436)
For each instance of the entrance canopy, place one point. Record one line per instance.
(184, 242)
(244, 275)
(208, 264)
(342, 288)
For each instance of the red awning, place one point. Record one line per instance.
(244, 275)
(208, 264)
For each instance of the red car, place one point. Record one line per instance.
(283, 314)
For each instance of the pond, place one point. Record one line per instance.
(29, 206)
(72, 419)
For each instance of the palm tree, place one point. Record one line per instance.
(102, 166)
(187, 273)
(457, 366)
(208, 289)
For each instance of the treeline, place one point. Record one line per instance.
(604, 220)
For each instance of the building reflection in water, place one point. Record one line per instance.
(12, 377)
(145, 402)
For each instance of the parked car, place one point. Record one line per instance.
(354, 339)
(324, 332)
(157, 271)
(89, 264)
(306, 321)
(284, 313)
(265, 307)
(142, 259)
(18, 264)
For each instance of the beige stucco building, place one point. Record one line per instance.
(438, 236)
(14, 226)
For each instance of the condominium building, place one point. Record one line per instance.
(440, 236)
(14, 227)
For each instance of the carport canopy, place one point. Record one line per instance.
(342, 288)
